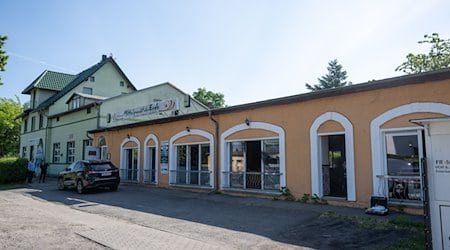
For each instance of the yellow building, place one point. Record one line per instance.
(343, 145)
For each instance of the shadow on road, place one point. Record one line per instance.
(295, 223)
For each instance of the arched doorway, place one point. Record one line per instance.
(151, 156)
(130, 159)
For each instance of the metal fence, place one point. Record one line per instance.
(149, 175)
(129, 175)
(253, 180)
(191, 177)
(405, 188)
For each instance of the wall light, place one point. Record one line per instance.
(128, 136)
(247, 122)
(188, 129)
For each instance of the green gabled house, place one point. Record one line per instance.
(63, 107)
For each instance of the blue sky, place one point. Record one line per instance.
(248, 50)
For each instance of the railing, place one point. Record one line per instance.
(191, 177)
(149, 176)
(405, 188)
(129, 175)
(253, 180)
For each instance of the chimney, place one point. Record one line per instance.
(104, 57)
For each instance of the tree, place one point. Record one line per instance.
(438, 56)
(3, 56)
(207, 97)
(334, 79)
(9, 126)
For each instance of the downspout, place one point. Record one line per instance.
(216, 150)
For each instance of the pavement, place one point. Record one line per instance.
(146, 217)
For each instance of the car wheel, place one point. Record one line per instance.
(114, 187)
(80, 188)
(60, 184)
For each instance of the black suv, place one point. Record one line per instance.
(89, 174)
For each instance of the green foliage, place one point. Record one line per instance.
(438, 56)
(335, 78)
(12, 170)
(9, 126)
(3, 56)
(286, 194)
(217, 100)
(305, 198)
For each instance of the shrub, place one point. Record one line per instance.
(12, 170)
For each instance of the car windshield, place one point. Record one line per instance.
(101, 167)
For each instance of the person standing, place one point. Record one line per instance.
(31, 168)
(44, 166)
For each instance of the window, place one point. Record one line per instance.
(193, 165)
(25, 125)
(33, 123)
(75, 103)
(88, 110)
(87, 90)
(57, 118)
(56, 152)
(403, 153)
(41, 121)
(31, 153)
(24, 152)
(255, 164)
(70, 151)
(92, 79)
(87, 142)
(122, 84)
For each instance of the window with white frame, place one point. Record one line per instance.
(87, 90)
(75, 103)
(70, 151)
(403, 154)
(56, 152)
(193, 165)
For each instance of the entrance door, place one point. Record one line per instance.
(150, 168)
(131, 164)
(31, 152)
(253, 164)
(334, 173)
(193, 164)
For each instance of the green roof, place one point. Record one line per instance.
(50, 80)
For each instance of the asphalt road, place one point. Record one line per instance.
(142, 217)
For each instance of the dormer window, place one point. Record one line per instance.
(75, 103)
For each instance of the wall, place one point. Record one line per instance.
(145, 97)
(296, 120)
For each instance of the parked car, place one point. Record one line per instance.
(84, 175)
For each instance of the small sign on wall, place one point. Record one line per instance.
(164, 160)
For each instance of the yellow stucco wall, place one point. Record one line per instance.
(296, 120)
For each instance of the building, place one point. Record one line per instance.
(63, 107)
(343, 145)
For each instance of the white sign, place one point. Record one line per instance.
(152, 108)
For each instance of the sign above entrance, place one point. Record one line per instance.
(152, 108)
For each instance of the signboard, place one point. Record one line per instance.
(152, 108)
(164, 160)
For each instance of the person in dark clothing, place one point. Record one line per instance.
(44, 166)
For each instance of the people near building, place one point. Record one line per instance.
(43, 167)
(31, 169)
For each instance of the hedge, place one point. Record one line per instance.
(13, 170)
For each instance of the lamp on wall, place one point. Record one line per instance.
(247, 122)
(128, 136)
(188, 129)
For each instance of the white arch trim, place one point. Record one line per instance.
(153, 137)
(225, 166)
(172, 151)
(316, 165)
(376, 135)
(122, 159)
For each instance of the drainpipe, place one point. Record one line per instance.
(97, 106)
(216, 151)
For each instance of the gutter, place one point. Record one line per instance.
(216, 150)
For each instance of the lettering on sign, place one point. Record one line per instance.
(152, 108)
(442, 166)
